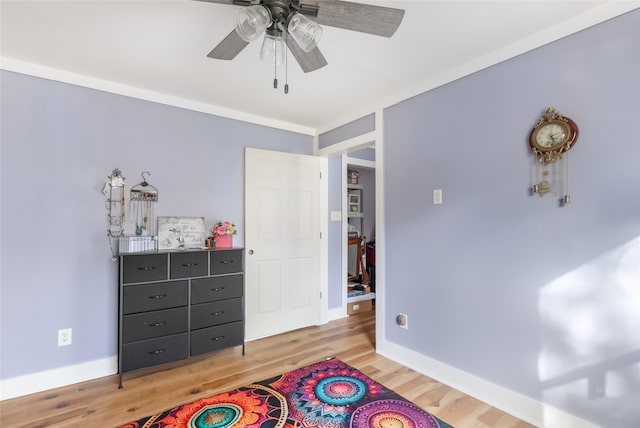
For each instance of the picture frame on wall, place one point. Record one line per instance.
(354, 203)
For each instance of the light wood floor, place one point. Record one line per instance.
(99, 403)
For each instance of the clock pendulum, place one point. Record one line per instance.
(550, 140)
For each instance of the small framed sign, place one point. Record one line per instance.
(180, 233)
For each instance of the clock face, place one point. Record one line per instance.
(551, 135)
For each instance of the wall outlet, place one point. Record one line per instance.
(403, 321)
(64, 337)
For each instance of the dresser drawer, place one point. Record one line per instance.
(144, 268)
(154, 324)
(215, 313)
(216, 288)
(152, 297)
(214, 338)
(226, 261)
(188, 265)
(148, 353)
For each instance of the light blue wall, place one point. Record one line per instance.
(335, 249)
(508, 286)
(58, 145)
(365, 154)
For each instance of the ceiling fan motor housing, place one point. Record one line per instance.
(279, 9)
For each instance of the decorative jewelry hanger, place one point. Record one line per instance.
(142, 206)
(114, 191)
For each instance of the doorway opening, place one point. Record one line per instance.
(359, 208)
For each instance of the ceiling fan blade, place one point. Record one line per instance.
(219, 1)
(366, 18)
(234, 2)
(228, 48)
(309, 61)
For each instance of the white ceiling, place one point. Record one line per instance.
(157, 50)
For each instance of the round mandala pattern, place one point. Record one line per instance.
(240, 408)
(392, 414)
(390, 420)
(340, 390)
(216, 416)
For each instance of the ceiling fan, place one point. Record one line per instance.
(297, 25)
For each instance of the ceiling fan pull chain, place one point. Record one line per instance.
(286, 64)
(275, 66)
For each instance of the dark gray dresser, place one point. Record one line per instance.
(178, 304)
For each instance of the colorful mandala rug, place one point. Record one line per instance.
(328, 394)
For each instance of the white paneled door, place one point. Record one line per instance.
(282, 240)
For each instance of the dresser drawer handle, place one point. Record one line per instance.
(215, 314)
(217, 289)
(157, 351)
(146, 268)
(190, 264)
(215, 339)
(158, 296)
(226, 262)
(157, 324)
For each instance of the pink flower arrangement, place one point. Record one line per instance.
(224, 228)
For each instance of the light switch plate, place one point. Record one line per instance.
(336, 215)
(437, 196)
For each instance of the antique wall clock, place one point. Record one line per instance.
(550, 140)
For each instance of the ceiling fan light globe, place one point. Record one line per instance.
(305, 32)
(252, 21)
(273, 49)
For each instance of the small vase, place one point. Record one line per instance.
(224, 241)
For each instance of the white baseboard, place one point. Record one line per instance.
(55, 378)
(516, 404)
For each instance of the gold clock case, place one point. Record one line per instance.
(551, 154)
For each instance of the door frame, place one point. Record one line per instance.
(366, 140)
(346, 162)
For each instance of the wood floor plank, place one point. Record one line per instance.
(99, 402)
